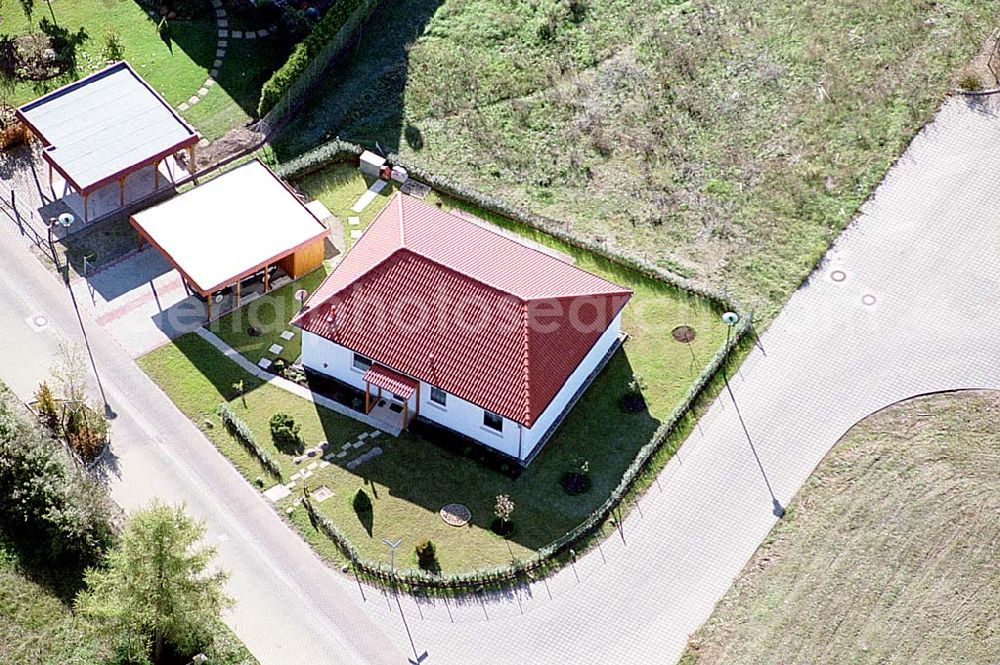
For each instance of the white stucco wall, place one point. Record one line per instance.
(322, 355)
(576, 379)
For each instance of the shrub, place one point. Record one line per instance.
(971, 82)
(361, 502)
(48, 506)
(242, 433)
(504, 508)
(285, 431)
(326, 33)
(45, 403)
(426, 556)
(293, 25)
(86, 432)
(113, 49)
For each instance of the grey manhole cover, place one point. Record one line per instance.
(456, 514)
(838, 275)
(868, 299)
(684, 334)
(38, 321)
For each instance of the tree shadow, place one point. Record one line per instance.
(361, 97)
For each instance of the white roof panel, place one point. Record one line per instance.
(106, 124)
(230, 226)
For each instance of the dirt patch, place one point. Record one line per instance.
(235, 141)
(684, 334)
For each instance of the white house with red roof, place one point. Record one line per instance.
(441, 318)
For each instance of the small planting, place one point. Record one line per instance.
(577, 481)
(364, 509)
(503, 509)
(632, 400)
(285, 432)
(971, 82)
(426, 556)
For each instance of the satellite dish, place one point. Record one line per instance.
(730, 318)
(66, 219)
(219, 298)
(301, 295)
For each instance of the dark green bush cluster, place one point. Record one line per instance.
(285, 431)
(326, 37)
(240, 431)
(49, 507)
(426, 555)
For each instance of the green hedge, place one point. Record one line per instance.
(518, 570)
(240, 431)
(325, 33)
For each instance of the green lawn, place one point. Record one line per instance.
(270, 314)
(176, 69)
(725, 140)
(888, 554)
(413, 479)
(338, 187)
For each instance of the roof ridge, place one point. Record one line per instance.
(526, 360)
(402, 231)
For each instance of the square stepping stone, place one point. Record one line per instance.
(262, 32)
(237, 34)
(346, 446)
(277, 492)
(321, 494)
(354, 221)
(194, 100)
(342, 454)
(358, 444)
(264, 363)
(214, 73)
(324, 464)
(208, 83)
(250, 35)
(356, 233)
(363, 435)
(288, 334)
(222, 43)
(374, 435)
(223, 34)
(202, 92)
(220, 53)
(313, 466)
(219, 11)
(183, 107)
(216, 3)
(223, 23)
(329, 456)
(217, 63)
(305, 473)
(276, 349)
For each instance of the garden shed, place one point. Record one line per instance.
(242, 223)
(105, 127)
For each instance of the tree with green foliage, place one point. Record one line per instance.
(156, 587)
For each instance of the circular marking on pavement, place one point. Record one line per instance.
(456, 514)
(684, 334)
(838, 275)
(868, 299)
(40, 321)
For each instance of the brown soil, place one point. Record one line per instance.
(235, 141)
(684, 334)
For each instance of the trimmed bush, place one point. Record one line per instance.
(361, 502)
(326, 32)
(240, 431)
(285, 431)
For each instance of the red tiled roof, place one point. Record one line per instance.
(394, 382)
(464, 308)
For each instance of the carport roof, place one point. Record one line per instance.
(229, 227)
(105, 126)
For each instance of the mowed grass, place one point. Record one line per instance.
(176, 68)
(725, 140)
(888, 554)
(414, 478)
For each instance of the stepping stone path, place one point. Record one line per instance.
(264, 363)
(287, 335)
(321, 494)
(275, 349)
(224, 34)
(353, 221)
(358, 461)
(356, 233)
(368, 196)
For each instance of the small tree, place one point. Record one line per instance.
(426, 555)
(504, 508)
(113, 49)
(157, 587)
(45, 402)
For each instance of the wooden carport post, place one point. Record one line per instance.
(121, 191)
(156, 175)
(368, 396)
(267, 278)
(191, 166)
(237, 294)
(51, 176)
(86, 197)
(208, 302)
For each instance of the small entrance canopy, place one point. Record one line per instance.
(398, 384)
(104, 127)
(231, 227)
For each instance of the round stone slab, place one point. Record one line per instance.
(456, 514)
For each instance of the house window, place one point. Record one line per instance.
(493, 421)
(438, 396)
(361, 363)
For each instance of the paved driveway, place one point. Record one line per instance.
(904, 304)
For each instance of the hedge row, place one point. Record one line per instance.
(337, 150)
(329, 34)
(242, 433)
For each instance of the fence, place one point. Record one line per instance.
(518, 570)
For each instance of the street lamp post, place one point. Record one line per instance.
(730, 319)
(393, 544)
